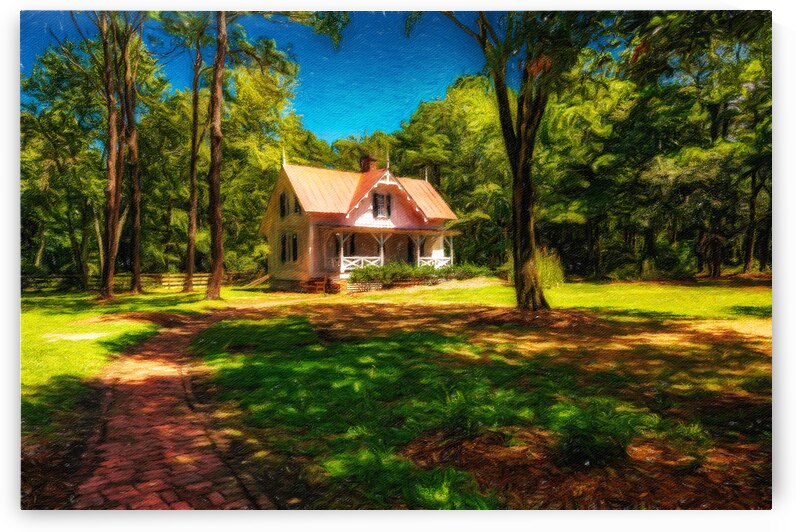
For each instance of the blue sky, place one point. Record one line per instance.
(373, 81)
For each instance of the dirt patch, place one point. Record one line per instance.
(520, 466)
(550, 319)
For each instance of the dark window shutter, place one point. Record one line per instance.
(389, 205)
(283, 248)
(282, 205)
(375, 205)
(295, 246)
(296, 204)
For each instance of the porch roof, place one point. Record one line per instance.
(390, 230)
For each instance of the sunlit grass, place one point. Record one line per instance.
(350, 407)
(59, 353)
(650, 298)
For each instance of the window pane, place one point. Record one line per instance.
(295, 247)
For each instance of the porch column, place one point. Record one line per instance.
(417, 250)
(381, 249)
(450, 246)
(342, 240)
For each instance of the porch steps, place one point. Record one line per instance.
(318, 285)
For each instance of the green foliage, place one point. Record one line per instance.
(648, 158)
(548, 264)
(394, 272)
(596, 432)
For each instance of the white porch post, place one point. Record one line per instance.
(450, 246)
(342, 240)
(417, 249)
(381, 239)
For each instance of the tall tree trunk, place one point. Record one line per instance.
(649, 253)
(40, 251)
(700, 250)
(85, 230)
(113, 179)
(519, 148)
(131, 132)
(751, 226)
(190, 255)
(763, 252)
(214, 174)
(74, 245)
(98, 232)
(716, 248)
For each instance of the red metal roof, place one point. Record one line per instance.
(427, 198)
(335, 191)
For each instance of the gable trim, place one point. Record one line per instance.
(387, 179)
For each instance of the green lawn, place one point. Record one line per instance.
(641, 298)
(65, 344)
(349, 407)
(399, 399)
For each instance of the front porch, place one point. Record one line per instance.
(348, 248)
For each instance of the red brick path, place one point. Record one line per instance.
(153, 451)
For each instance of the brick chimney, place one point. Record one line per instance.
(366, 163)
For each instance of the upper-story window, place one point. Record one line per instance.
(382, 205)
(282, 205)
(296, 205)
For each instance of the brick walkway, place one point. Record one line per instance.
(153, 451)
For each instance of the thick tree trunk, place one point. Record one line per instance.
(190, 255)
(519, 148)
(113, 179)
(131, 131)
(649, 253)
(214, 174)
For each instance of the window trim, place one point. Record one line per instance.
(386, 206)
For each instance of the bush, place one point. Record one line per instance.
(551, 271)
(394, 272)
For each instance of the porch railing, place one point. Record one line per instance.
(437, 262)
(349, 263)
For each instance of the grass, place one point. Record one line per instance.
(342, 405)
(347, 405)
(636, 298)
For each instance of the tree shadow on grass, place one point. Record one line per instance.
(749, 311)
(345, 406)
(57, 419)
(61, 303)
